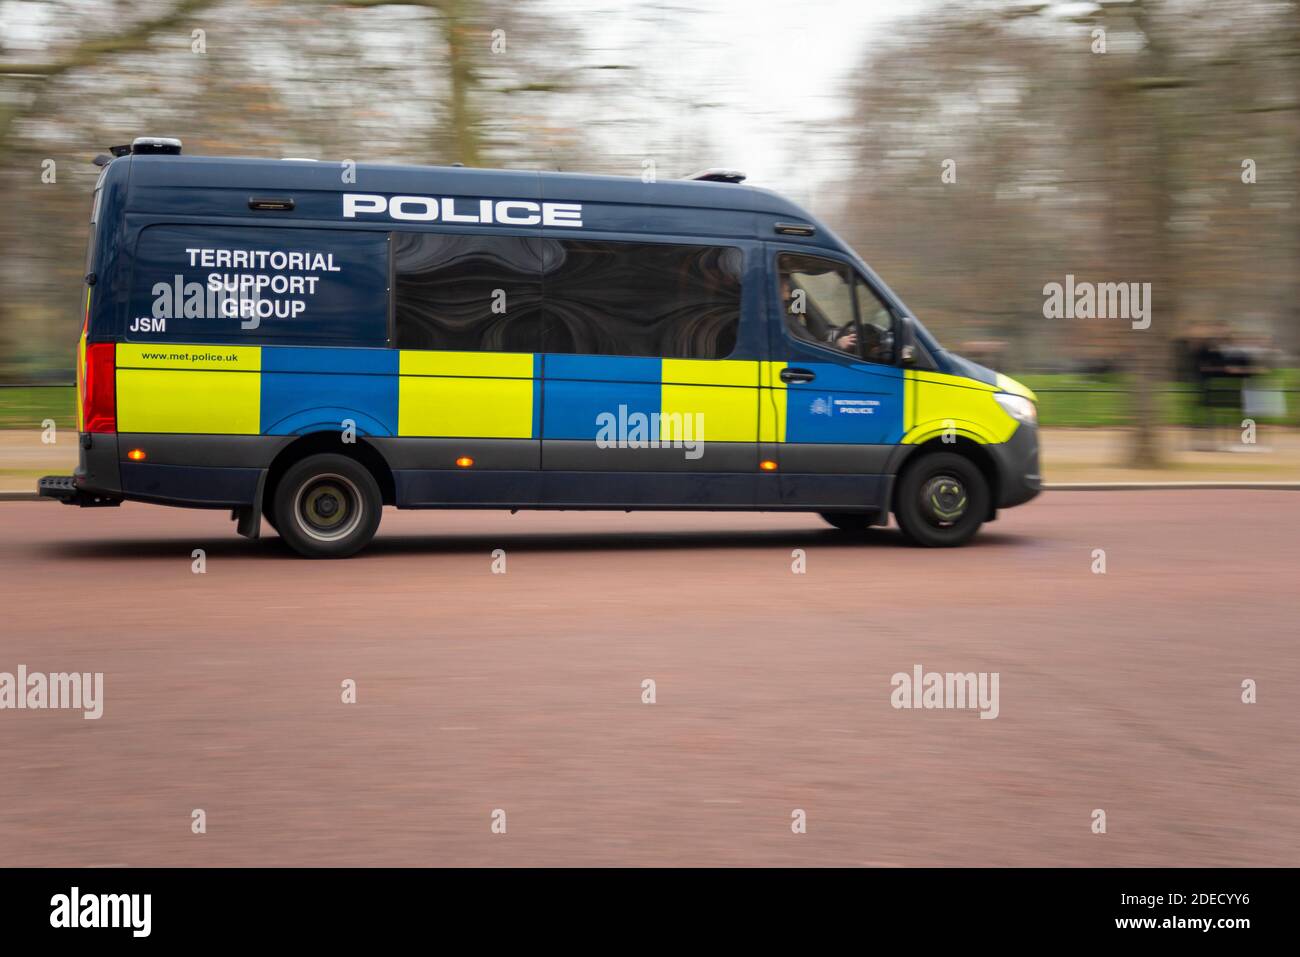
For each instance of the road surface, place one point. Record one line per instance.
(523, 692)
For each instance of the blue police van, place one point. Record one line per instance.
(307, 341)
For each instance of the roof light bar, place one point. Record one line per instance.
(164, 145)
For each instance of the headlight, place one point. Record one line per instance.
(1018, 407)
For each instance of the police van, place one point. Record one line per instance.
(307, 341)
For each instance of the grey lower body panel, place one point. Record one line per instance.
(194, 486)
(583, 455)
(220, 471)
(204, 451)
(514, 455)
(817, 459)
(1019, 475)
(197, 471)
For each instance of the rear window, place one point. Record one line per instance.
(241, 285)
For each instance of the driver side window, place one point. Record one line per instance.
(877, 325)
(817, 301)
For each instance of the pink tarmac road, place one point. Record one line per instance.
(523, 691)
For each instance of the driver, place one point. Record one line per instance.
(811, 323)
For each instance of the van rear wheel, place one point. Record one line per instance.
(941, 500)
(327, 506)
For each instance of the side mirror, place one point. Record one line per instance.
(906, 341)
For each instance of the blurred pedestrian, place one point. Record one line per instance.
(1208, 364)
(1223, 366)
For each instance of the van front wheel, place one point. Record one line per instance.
(327, 506)
(941, 500)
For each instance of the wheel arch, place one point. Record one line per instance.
(960, 445)
(317, 443)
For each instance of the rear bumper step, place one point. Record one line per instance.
(66, 490)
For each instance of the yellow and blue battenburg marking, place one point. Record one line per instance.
(880, 405)
(275, 390)
(283, 390)
(579, 390)
(858, 404)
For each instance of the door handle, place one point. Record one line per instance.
(797, 375)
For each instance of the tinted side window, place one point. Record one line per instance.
(641, 299)
(467, 293)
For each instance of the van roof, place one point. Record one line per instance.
(163, 171)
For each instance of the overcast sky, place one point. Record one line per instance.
(766, 64)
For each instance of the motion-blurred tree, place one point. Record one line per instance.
(22, 83)
(1104, 140)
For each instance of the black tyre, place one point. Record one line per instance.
(941, 500)
(849, 521)
(327, 506)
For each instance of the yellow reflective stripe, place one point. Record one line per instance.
(909, 401)
(772, 402)
(714, 413)
(499, 365)
(457, 407)
(194, 401)
(943, 378)
(729, 372)
(942, 403)
(933, 430)
(770, 375)
(485, 395)
(711, 399)
(132, 355)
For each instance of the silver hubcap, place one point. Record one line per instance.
(944, 500)
(327, 507)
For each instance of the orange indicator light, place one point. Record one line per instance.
(136, 455)
(464, 461)
(767, 465)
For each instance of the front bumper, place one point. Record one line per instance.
(1019, 476)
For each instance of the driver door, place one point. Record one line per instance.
(834, 391)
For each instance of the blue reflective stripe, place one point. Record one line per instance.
(329, 359)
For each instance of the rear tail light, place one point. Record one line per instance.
(98, 391)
